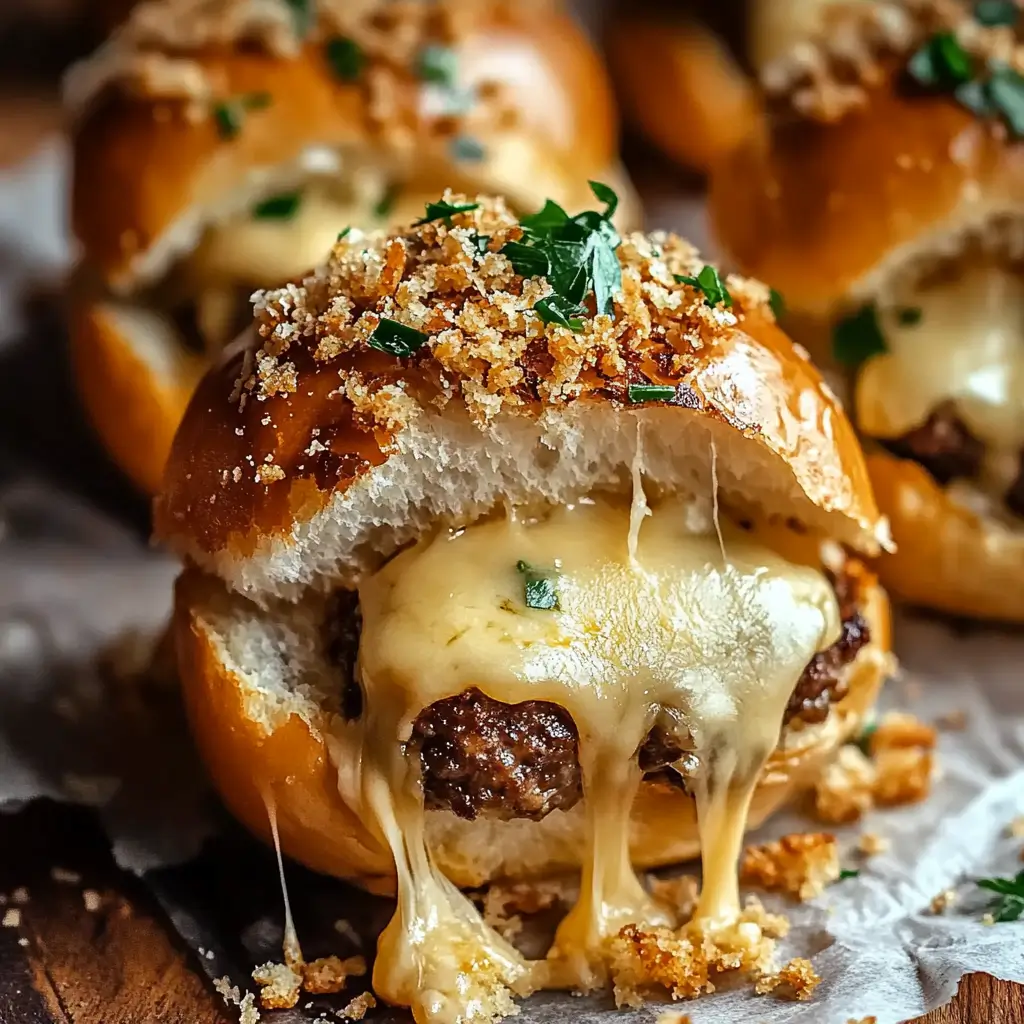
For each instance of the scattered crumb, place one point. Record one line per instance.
(952, 721)
(11, 918)
(329, 973)
(279, 986)
(1016, 827)
(844, 791)
(680, 893)
(503, 903)
(871, 844)
(941, 902)
(65, 877)
(248, 1014)
(904, 775)
(796, 980)
(863, 1020)
(900, 730)
(358, 1007)
(23, 941)
(20, 896)
(228, 992)
(800, 864)
(92, 900)
(987, 919)
(673, 1017)
(344, 928)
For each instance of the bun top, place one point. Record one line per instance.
(419, 377)
(196, 106)
(892, 141)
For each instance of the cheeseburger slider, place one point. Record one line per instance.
(219, 144)
(886, 203)
(514, 547)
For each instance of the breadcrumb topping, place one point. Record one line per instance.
(800, 865)
(899, 771)
(357, 1008)
(484, 337)
(502, 904)
(825, 77)
(796, 980)
(282, 983)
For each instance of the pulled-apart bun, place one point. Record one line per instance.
(195, 113)
(871, 190)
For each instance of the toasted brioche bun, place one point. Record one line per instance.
(405, 443)
(260, 704)
(150, 175)
(680, 86)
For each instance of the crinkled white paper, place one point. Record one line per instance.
(74, 581)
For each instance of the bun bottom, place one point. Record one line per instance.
(134, 379)
(265, 740)
(947, 557)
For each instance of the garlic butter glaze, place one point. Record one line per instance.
(722, 643)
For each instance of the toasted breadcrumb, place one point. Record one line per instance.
(685, 963)
(680, 893)
(863, 1020)
(1016, 827)
(900, 730)
(800, 864)
(871, 844)
(329, 973)
(248, 1014)
(673, 1017)
(942, 901)
(502, 903)
(279, 986)
(92, 900)
(796, 980)
(904, 776)
(845, 789)
(11, 918)
(358, 1007)
(228, 992)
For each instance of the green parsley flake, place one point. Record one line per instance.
(1008, 904)
(651, 393)
(302, 16)
(527, 260)
(467, 149)
(847, 873)
(540, 589)
(438, 65)
(443, 210)
(864, 739)
(941, 63)
(777, 302)
(858, 337)
(345, 57)
(996, 12)
(710, 284)
(282, 207)
(560, 311)
(396, 339)
(230, 114)
(344, 234)
(909, 316)
(383, 207)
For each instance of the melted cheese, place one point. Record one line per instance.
(967, 346)
(664, 625)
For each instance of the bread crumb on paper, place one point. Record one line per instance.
(800, 865)
(871, 844)
(942, 901)
(673, 1017)
(796, 980)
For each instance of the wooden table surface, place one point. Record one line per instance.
(68, 962)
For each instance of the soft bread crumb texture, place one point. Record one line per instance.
(370, 451)
(800, 865)
(685, 963)
(330, 973)
(796, 980)
(899, 771)
(826, 77)
(502, 904)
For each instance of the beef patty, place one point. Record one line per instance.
(481, 756)
(943, 445)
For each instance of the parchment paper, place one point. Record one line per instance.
(72, 579)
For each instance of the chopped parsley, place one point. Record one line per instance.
(858, 337)
(344, 234)
(991, 90)
(230, 114)
(302, 15)
(576, 255)
(651, 393)
(282, 207)
(847, 873)
(396, 339)
(996, 12)
(1008, 903)
(864, 739)
(710, 284)
(443, 210)
(438, 65)
(540, 590)
(482, 242)
(777, 302)
(386, 203)
(467, 149)
(345, 57)
(909, 316)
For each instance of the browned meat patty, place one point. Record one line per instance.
(943, 445)
(481, 756)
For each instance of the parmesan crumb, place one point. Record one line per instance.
(796, 980)
(800, 864)
(11, 918)
(92, 900)
(329, 973)
(279, 986)
(247, 1012)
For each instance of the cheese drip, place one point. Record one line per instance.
(672, 626)
(966, 344)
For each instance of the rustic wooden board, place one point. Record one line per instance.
(150, 950)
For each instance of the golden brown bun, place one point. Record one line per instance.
(820, 210)
(380, 451)
(947, 557)
(680, 87)
(288, 762)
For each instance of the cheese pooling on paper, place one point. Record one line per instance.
(667, 625)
